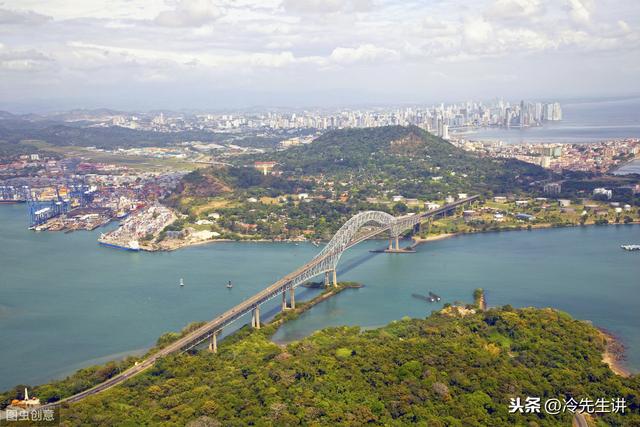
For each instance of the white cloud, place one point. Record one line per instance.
(189, 13)
(23, 60)
(476, 32)
(18, 17)
(326, 6)
(514, 9)
(580, 10)
(623, 26)
(363, 53)
(292, 45)
(92, 55)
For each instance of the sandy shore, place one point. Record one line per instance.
(435, 237)
(614, 354)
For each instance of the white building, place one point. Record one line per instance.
(603, 192)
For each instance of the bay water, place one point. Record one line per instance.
(66, 302)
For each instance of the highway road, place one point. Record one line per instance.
(213, 326)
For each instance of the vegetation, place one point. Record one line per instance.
(342, 172)
(441, 371)
(404, 160)
(478, 297)
(79, 133)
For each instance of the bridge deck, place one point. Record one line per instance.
(201, 334)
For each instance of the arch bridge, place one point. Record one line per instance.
(358, 228)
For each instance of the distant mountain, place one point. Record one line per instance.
(98, 114)
(14, 130)
(6, 115)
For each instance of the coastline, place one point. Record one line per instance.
(437, 237)
(613, 354)
(416, 240)
(622, 165)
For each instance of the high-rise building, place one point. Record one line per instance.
(445, 131)
(557, 111)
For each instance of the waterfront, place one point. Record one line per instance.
(66, 303)
(629, 168)
(582, 122)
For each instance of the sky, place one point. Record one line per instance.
(217, 54)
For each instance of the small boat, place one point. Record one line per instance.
(181, 282)
(434, 296)
(229, 285)
(630, 247)
(314, 243)
(424, 298)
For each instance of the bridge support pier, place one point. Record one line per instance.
(417, 228)
(255, 317)
(213, 342)
(335, 278)
(397, 244)
(292, 300)
(327, 281)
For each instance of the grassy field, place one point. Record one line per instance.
(210, 204)
(137, 163)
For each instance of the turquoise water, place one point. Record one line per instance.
(65, 302)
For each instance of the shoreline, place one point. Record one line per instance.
(416, 240)
(614, 170)
(437, 237)
(614, 353)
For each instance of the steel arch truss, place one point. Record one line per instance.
(328, 258)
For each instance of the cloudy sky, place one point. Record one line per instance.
(145, 54)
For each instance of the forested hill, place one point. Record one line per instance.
(417, 160)
(438, 371)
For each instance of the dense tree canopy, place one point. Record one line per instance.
(441, 371)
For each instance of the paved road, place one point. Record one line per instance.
(579, 420)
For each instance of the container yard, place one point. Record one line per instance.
(139, 229)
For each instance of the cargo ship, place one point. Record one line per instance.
(131, 246)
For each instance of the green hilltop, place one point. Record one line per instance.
(415, 161)
(445, 370)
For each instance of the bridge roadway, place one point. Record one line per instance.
(214, 326)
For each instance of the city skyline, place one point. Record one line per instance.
(238, 54)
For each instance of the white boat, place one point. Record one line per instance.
(181, 282)
(630, 247)
(229, 285)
